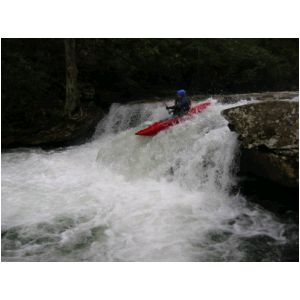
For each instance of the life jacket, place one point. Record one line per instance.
(185, 102)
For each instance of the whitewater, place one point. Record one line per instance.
(122, 197)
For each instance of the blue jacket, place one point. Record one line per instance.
(183, 102)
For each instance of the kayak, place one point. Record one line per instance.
(156, 127)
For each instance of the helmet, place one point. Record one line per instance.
(181, 92)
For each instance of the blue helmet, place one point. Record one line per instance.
(181, 92)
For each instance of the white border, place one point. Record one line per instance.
(152, 18)
(149, 281)
(149, 18)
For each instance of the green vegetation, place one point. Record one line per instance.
(135, 67)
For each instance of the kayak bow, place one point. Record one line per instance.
(156, 127)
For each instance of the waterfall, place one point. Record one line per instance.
(123, 197)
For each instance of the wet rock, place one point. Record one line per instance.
(266, 96)
(269, 139)
(61, 131)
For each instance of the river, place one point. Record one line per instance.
(122, 197)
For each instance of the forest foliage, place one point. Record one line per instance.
(118, 70)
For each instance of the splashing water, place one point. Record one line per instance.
(124, 197)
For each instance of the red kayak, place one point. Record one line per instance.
(162, 125)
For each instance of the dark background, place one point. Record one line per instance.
(120, 70)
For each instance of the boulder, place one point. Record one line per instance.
(269, 137)
(59, 132)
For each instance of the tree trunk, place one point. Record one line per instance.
(72, 103)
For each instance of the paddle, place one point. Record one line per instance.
(167, 108)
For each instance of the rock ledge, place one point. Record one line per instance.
(269, 137)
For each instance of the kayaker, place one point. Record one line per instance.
(182, 104)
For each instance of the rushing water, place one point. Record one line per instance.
(123, 197)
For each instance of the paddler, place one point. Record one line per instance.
(182, 104)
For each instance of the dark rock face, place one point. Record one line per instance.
(63, 131)
(266, 96)
(269, 139)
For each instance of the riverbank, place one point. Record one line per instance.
(53, 131)
(56, 130)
